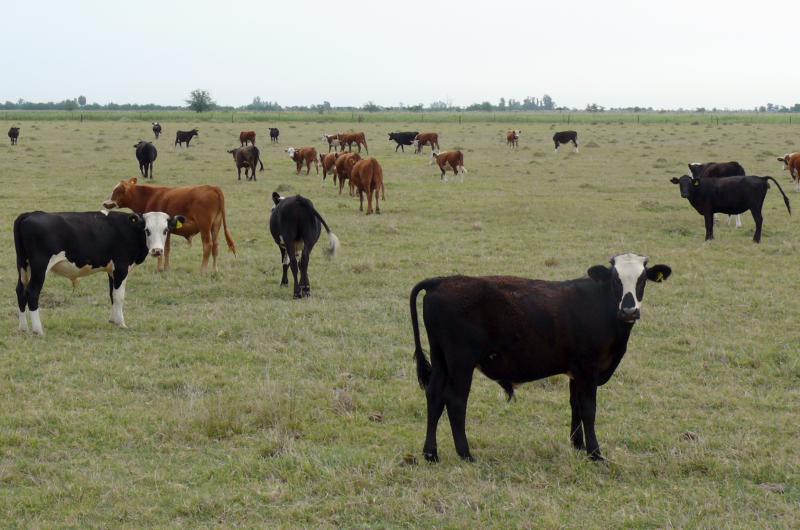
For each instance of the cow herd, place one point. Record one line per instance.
(513, 330)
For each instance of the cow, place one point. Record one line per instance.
(247, 157)
(423, 139)
(343, 167)
(719, 170)
(566, 137)
(156, 129)
(185, 136)
(13, 133)
(247, 137)
(512, 139)
(304, 155)
(730, 195)
(333, 141)
(328, 165)
(515, 330)
(295, 226)
(77, 244)
(349, 139)
(367, 176)
(146, 154)
(791, 163)
(273, 134)
(455, 159)
(203, 207)
(402, 139)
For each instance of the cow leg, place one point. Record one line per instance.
(305, 257)
(117, 281)
(239, 172)
(293, 265)
(456, 394)
(759, 219)
(738, 220)
(377, 204)
(22, 300)
(205, 236)
(709, 226)
(215, 242)
(434, 393)
(587, 395)
(285, 265)
(576, 145)
(38, 271)
(576, 431)
(151, 171)
(369, 201)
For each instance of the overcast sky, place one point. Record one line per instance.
(616, 53)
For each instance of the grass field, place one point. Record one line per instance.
(227, 403)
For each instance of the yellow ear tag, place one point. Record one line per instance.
(178, 224)
(659, 276)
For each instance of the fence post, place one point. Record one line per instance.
(637, 118)
(568, 117)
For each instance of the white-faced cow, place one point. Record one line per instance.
(77, 244)
(716, 170)
(295, 226)
(516, 330)
(565, 137)
(453, 159)
(791, 163)
(146, 154)
(156, 129)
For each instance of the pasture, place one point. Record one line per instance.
(228, 403)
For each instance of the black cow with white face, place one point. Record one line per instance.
(295, 226)
(146, 154)
(565, 137)
(516, 330)
(730, 195)
(77, 244)
(156, 129)
(273, 135)
(403, 138)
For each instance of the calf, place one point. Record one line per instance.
(402, 138)
(273, 135)
(13, 133)
(791, 163)
(156, 129)
(454, 159)
(516, 330)
(328, 165)
(349, 139)
(185, 136)
(731, 195)
(343, 167)
(367, 176)
(295, 226)
(333, 141)
(512, 139)
(719, 170)
(304, 155)
(566, 137)
(77, 244)
(247, 137)
(247, 157)
(423, 139)
(146, 154)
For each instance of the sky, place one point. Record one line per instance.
(616, 53)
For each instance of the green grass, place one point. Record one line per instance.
(227, 403)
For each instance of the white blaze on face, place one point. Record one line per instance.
(290, 152)
(156, 229)
(630, 268)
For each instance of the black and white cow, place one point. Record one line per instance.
(295, 226)
(565, 137)
(715, 170)
(156, 129)
(273, 134)
(730, 195)
(77, 244)
(516, 330)
(146, 154)
(402, 138)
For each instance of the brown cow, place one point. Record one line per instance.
(305, 155)
(247, 157)
(791, 163)
(333, 141)
(422, 139)
(512, 139)
(367, 176)
(455, 159)
(328, 165)
(246, 137)
(203, 206)
(343, 168)
(353, 138)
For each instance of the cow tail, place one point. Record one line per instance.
(785, 198)
(22, 257)
(365, 145)
(228, 236)
(259, 159)
(376, 170)
(332, 239)
(423, 366)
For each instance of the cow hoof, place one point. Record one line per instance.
(433, 457)
(597, 457)
(468, 458)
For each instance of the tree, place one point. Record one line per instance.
(502, 105)
(200, 100)
(82, 101)
(70, 104)
(594, 107)
(548, 103)
(370, 106)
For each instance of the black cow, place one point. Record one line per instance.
(13, 133)
(516, 330)
(730, 195)
(403, 138)
(273, 134)
(566, 137)
(247, 157)
(77, 244)
(719, 170)
(185, 136)
(156, 129)
(295, 227)
(146, 154)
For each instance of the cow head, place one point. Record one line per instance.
(277, 197)
(196, 132)
(120, 193)
(233, 151)
(137, 144)
(686, 184)
(157, 225)
(695, 168)
(434, 157)
(391, 136)
(627, 277)
(291, 151)
(785, 160)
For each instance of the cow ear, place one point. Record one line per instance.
(135, 219)
(599, 273)
(674, 180)
(276, 197)
(658, 273)
(175, 223)
(133, 180)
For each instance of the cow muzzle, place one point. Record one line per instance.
(629, 314)
(156, 252)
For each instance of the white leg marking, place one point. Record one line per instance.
(36, 323)
(23, 321)
(118, 297)
(738, 221)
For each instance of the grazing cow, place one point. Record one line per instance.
(566, 137)
(517, 330)
(13, 133)
(156, 129)
(367, 176)
(402, 138)
(455, 159)
(343, 167)
(791, 163)
(303, 155)
(423, 139)
(77, 244)
(730, 195)
(203, 206)
(247, 137)
(247, 157)
(349, 139)
(146, 154)
(328, 165)
(333, 141)
(185, 136)
(273, 134)
(295, 226)
(512, 139)
(719, 170)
